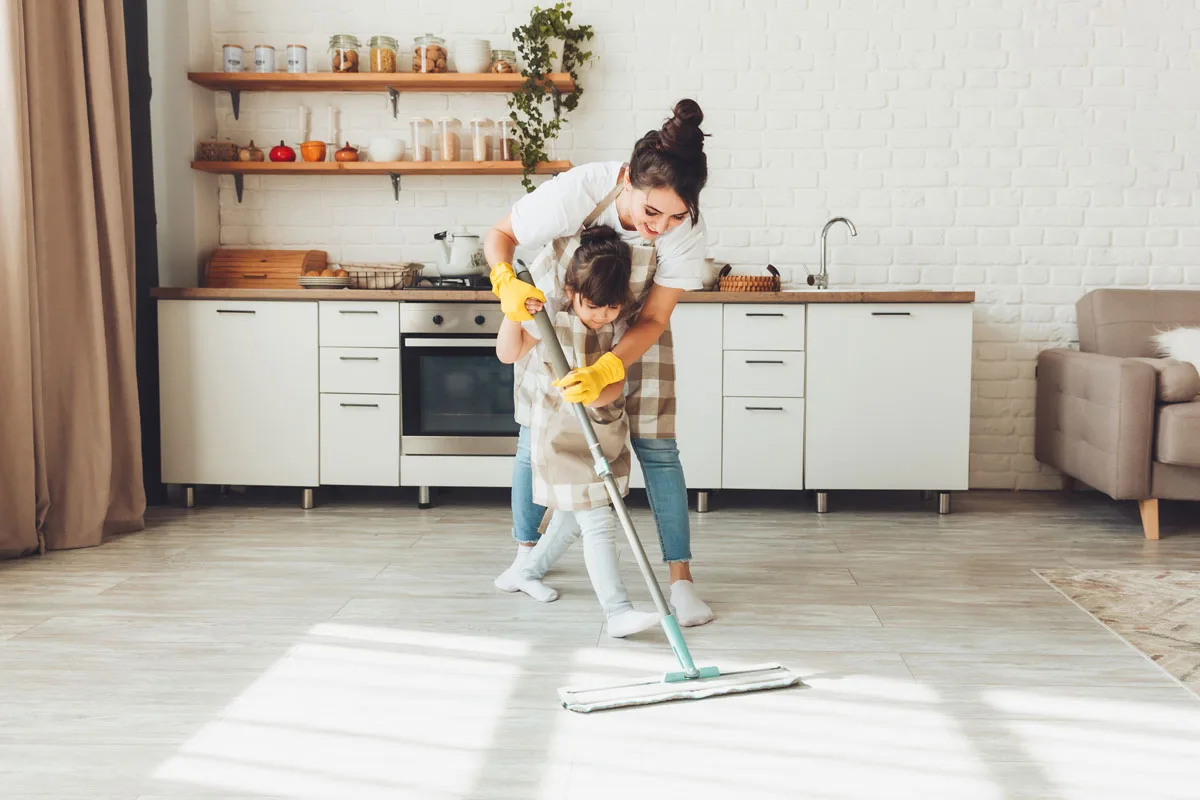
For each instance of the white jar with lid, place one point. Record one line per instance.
(297, 59)
(264, 58)
(481, 139)
(234, 58)
(420, 139)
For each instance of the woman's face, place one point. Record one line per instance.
(654, 211)
(593, 316)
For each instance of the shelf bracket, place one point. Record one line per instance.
(239, 184)
(394, 96)
(235, 97)
(395, 185)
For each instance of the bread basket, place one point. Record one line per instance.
(382, 276)
(748, 283)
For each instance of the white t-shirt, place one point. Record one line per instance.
(559, 206)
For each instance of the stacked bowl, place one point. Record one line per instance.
(472, 55)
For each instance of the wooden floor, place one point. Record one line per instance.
(249, 649)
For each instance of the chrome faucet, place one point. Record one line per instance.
(821, 280)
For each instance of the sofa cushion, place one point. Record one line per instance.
(1178, 438)
(1178, 381)
(1122, 322)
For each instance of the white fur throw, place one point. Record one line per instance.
(1181, 344)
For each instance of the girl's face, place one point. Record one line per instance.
(593, 316)
(654, 211)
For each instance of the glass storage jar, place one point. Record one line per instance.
(344, 48)
(504, 61)
(421, 128)
(383, 53)
(481, 139)
(506, 142)
(429, 54)
(449, 144)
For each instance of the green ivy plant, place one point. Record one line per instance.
(526, 105)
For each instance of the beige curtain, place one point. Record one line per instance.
(70, 443)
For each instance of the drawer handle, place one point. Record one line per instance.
(236, 311)
(754, 314)
(764, 408)
(359, 358)
(891, 313)
(360, 405)
(355, 311)
(748, 361)
(255, 275)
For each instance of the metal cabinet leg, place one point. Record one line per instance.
(822, 502)
(943, 502)
(306, 500)
(701, 502)
(424, 497)
(189, 497)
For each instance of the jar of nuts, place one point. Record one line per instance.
(449, 143)
(429, 54)
(344, 47)
(383, 53)
(504, 61)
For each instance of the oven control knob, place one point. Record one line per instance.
(479, 319)
(437, 319)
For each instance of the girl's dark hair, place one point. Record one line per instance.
(600, 269)
(673, 157)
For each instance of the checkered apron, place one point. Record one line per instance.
(564, 474)
(650, 382)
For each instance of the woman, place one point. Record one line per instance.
(653, 201)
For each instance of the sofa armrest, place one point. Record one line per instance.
(1178, 381)
(1095, 420)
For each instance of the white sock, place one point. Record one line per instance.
(505, 582)
(629, 622)
(690, 610)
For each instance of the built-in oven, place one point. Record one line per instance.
(456, 396)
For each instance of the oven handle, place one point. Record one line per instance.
(464, 342)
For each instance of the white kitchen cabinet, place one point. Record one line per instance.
(763, 326)
(764, 443)
(696, 330)
(754, 373)
(238, 386)
(355, 323)
(360, 370)
(888, 396)
(360, 440)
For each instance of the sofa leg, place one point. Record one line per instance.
(1149, 511)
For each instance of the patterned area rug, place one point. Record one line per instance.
(1158, 612)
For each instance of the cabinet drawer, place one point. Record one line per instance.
(360, 440)
(763, 444)
(754, 373)
(360, 370)
(354, 324)
(763, 326)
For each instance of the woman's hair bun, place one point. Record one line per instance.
(681, 134)
(598, 234)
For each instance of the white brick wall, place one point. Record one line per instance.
(1025, 149)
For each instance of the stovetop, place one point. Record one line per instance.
(473, 282)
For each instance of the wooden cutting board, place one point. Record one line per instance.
(261, 269)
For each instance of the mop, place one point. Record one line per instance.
(689, 682)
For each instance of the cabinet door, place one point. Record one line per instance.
(889, 396)
(764, 443)
(360, 439)
(238, 384)
(696, 330)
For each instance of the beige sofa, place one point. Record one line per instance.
(1112, 416)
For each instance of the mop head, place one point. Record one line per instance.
(753, 679)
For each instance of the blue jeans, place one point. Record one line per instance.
(665, 489)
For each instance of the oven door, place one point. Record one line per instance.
(456, 396)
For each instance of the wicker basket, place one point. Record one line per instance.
(382, 276)
(748, 283)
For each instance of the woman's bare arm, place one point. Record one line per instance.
(651, 322)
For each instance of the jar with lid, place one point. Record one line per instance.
(504, 61)
(506, 142)
(429, 54)
(449, 144)
(481, 139)
(421, 128)
(344, 47)
(383, 53)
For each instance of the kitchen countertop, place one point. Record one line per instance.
(466, 295)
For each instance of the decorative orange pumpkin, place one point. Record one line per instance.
(313, 151)
(346, 153)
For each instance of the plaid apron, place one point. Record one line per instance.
(564, 476)
(650, 382)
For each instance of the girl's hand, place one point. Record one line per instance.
(533, 305)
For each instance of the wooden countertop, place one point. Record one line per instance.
(465, 295)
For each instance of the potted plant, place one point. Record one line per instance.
(534, 42)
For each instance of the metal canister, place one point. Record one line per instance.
(234, 57)
(297, 58)
(264, 58)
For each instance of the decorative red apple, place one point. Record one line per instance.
(281, 152)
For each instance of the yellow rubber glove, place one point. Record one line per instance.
(513, 292)
(584, 385)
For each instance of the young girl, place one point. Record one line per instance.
(596, 300)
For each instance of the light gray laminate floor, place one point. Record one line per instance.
(251, 649)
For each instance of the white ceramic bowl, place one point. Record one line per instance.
(472, 55)
(385, 148)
